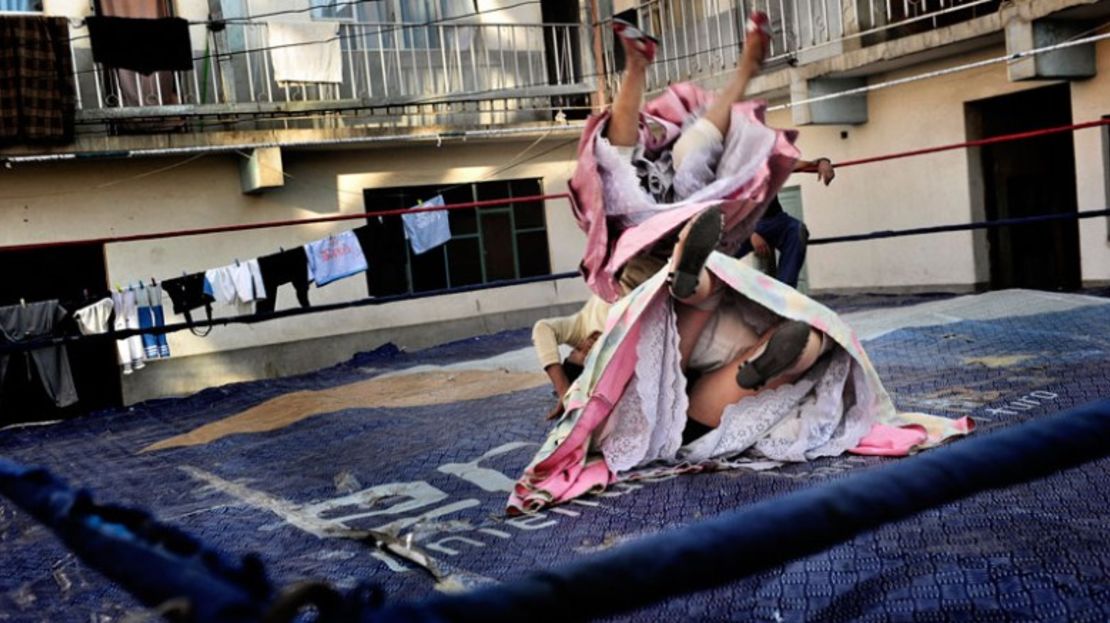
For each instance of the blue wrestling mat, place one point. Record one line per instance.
(270, 467)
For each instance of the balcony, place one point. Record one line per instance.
(393, 74)
(701, 39)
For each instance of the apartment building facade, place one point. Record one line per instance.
(482, 101)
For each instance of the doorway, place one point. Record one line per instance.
(71, 275)
(1024, 178)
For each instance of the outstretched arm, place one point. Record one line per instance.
(823, 167)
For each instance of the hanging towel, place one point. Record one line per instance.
(303, 52)
(427, 230)
(334, 257)
(93, 319)
(38, 320)
(142, 44)
(280, 268)
(37, 97)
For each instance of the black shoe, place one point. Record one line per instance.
(783, 349)
(703, 236)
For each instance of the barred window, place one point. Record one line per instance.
(488, 243)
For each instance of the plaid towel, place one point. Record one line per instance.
(37, 97)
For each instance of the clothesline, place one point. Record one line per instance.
(135, 319)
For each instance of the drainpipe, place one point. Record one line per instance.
(599, 57)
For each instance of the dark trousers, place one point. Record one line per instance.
(788, 236)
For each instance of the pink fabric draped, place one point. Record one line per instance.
(569, 471)
(607, 247)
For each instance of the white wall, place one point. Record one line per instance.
(99, 198)
(932, 189)
(1090, 100)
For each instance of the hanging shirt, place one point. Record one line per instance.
(427, 230)
(334, 257)
(94, 318)
(236, 283)
(38, 320)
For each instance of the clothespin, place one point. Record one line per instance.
(439, 140)
(153, 283)
(119, 288)
(281, 249)
(236, 261)
(22, 302)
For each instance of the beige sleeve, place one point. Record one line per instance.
(548, 334)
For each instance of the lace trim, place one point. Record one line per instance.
(651, 414)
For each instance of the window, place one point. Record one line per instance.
(341, 10)
(402, 24)
(21, 6)
(488, 243)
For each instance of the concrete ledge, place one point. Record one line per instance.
(946, 288)
(187, 375)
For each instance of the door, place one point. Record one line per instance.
(68, 274)
(1025, 178)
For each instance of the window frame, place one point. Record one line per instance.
(479, 234)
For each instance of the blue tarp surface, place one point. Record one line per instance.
(1030, 552)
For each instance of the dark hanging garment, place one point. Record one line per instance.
(20, 323)
(37, 96)
(141, 44)
(280, 268)
(187, 293)
(130, 88)
(383, 243)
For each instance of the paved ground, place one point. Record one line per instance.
(424, 443)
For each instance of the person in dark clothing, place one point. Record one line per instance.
(778, 231)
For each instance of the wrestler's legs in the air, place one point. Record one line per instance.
(783, 354)
(623, 128)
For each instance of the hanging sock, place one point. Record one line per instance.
(155, 293)
(129, 349)
(146, 321)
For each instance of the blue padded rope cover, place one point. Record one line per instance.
(154, 562)
(765, 535)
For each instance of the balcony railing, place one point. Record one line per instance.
(701, 38)
(384, 64)
(446, 67)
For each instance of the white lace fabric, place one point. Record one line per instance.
(824, 413)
